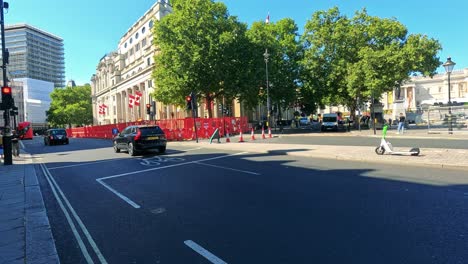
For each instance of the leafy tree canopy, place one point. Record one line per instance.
(70, 106)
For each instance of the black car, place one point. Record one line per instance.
(136, 139)
(55, 136)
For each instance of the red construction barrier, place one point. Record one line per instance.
(175, 129)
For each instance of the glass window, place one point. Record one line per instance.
(143, 42)
(137, 35)
(131, 40)
(143, 30)
(151, 23)
(125, 45)
(152, 130)
(137, 47)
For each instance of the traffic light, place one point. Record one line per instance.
(7, 98)
(148, 109)
(188, 100)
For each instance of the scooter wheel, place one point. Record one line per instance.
(379, 150)
(414, 151)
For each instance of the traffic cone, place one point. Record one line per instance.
(227, 137)
(263, 133)
(252, 137)
(241, 139)
(269, 132)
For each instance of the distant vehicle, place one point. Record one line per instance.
(304, 121)
(25, 130)
(331, 122)
(137, 139)
(55, 136)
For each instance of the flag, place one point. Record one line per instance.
(131, 100)
(103, 107)
(137, 98)
(267, 20)
(100, 109)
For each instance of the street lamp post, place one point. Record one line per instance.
(267, 56)
(448, 65)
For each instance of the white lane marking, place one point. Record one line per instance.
(191, 149)
(227, 168)
(85, 252)
(205, 253)
(123, 197)
(132, 203)
(81, 164)
(77, 219)
(169, 166)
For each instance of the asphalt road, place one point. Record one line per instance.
(205, 206)
(346, 140)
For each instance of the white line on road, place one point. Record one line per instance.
(81, 164)
(75, 215)
(132, 203)
(205, 253)
(191, 149)
(169, 166)
(85, 252)
(123, 197)
(227, 168)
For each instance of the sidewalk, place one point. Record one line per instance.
(429, 157)
(25, 234)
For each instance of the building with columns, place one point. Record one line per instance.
(127, 71)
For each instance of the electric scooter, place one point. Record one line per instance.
(386, 146)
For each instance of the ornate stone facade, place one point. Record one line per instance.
(128, 71)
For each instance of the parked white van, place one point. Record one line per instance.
(330, 122)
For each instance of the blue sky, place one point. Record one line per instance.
(91, 28)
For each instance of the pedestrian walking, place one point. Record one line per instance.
(15, 144)
(401, 124)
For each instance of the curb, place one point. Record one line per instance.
(40, 243)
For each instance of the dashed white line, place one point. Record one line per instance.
(205, 253)
(227, 168)
(81, 164)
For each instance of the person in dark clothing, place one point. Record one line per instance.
(401, 124)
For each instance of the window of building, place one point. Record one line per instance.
(151, 24)
(131, 40)
(131, 51)
(440, 89)
(113, 98)
(150, 84)
(115, 111)
(143, 42)
(148, 61)
(137, 47)
(125, 45)
(137, 35)
(143, 30)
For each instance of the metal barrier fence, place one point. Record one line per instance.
(447, 119)
(175, 129)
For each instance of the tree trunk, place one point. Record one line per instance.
(209, 99)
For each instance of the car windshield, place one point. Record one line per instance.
(58, 132)
(329, 119)
(151, 130)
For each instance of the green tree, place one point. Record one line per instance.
(201, 49)
(70, 106)
(347, 59)
(281, 39)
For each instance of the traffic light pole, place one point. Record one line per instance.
(7, 148)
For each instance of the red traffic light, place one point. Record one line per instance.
(148, 105)
(6, 90)
(188, 98)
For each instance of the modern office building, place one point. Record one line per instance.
(35, 54)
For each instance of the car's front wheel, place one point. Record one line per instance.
(116, 148)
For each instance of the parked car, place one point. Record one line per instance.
(304, 121)
(55, 136)
(137, 139)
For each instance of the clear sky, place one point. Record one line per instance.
(92, 28)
